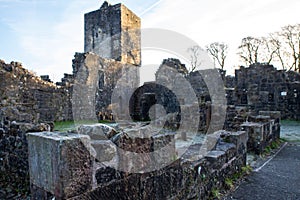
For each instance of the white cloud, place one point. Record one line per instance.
(49, 45)
(228, 21)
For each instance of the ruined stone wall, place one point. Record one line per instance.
(147, 96)
(24, 97)
(188, 89)
(96, 80)
(262, 130)
(14, 172)
(263, 87)
(235, 116)
(176, 91)
(130, 37)
(25, 100)
(99, 31)
(113, 32)
(188, 177)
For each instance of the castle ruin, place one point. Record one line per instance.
(113, 32)
(30, 105)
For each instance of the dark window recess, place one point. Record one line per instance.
(271, 97)
(101, 79)
(244, 99)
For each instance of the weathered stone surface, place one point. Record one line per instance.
(212, 140)
(40, 193)
(97, 131)
(96, 94)
(13, 163)
(261, 132)
(60, 163)
(14, 175)
(163, 149)
(27, 127)
(217, 158)
(113, 32)
(106, 174)
(263, 87)
(180, 180)
(25, 97)
(144, 149)
(105, 150)
(259, 119)
(239, 139)
(228, 148)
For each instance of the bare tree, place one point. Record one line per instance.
(270, 49)
(195, 56)
(219, 52)
(249, 50)
(290, 51)
(278, 49)
(282, 46)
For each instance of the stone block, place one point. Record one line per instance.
(216, 158)
(60, 163)
(164, 149)
(228, 148)
(239, 139)
(212, 140)
(257, 136)
(97, 131)
(105, 174)
(105, 150)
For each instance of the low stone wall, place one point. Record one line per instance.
(14, 174)
(223, 157)
(183, 179)
(57, 168)
(262, 130)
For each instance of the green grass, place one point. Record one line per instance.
(215, 193)
(229, 183)
(71, 125)
(64, 126)
(246, 170)
(274, 145)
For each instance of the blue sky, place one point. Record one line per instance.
(45, 34)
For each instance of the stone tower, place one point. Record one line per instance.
(113, 32)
